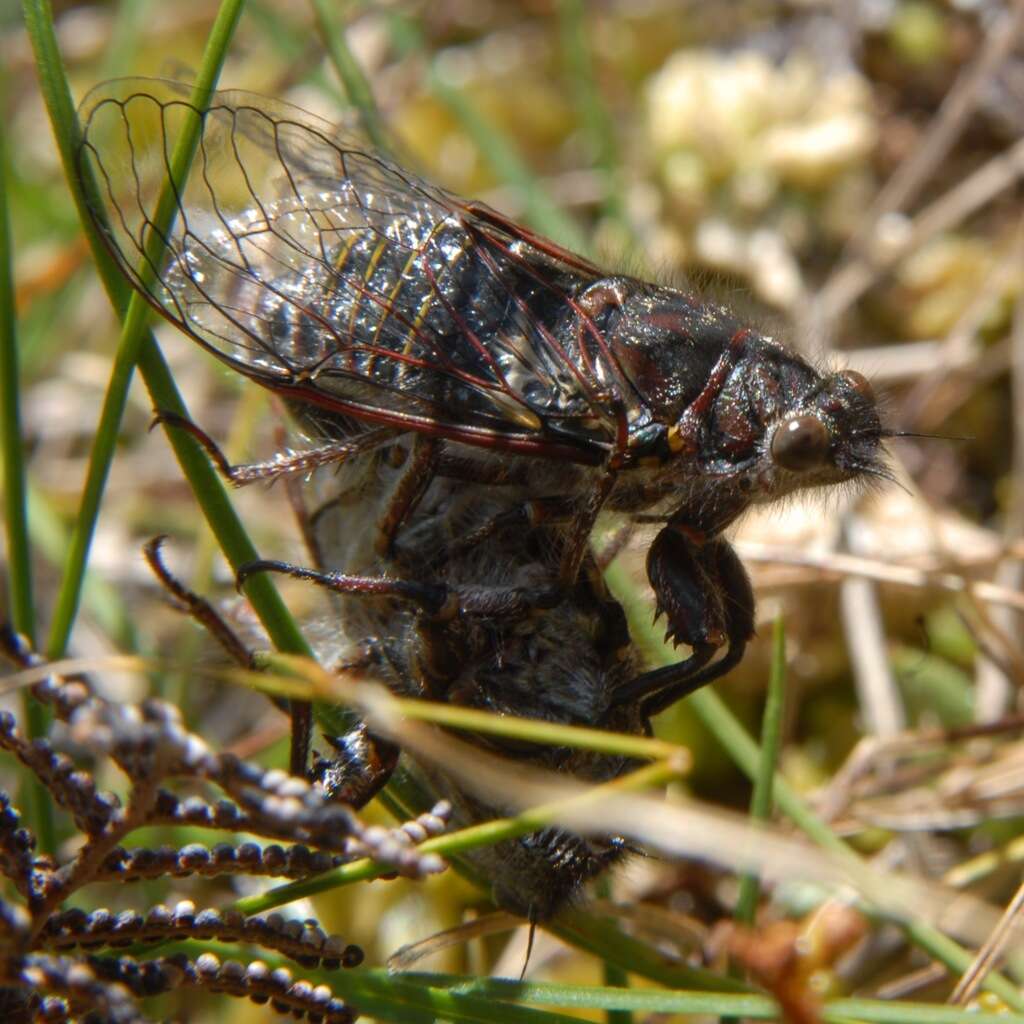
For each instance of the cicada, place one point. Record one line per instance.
(516, 389)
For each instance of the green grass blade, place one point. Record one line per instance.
(870, 1011)
(762, 801)
(22, 609)
(606, 997)
(721, 721)
(542, 212)
(595, 122)
(697, 1003)
(357, 88)
(290, 42)
(216, 506)
(605, 939)
(595, 934)
(453, 843)
(450, 1005)
(614, 976)
(49, 534)
(38, 804)
(403, 999)
(130, 18)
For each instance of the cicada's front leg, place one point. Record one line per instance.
(703, 591)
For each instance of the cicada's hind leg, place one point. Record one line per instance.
(292, 463)
(703, 590)
(366, 761)
(196, 607)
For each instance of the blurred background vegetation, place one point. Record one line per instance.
(847, 174)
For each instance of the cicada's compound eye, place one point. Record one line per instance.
(859, 383)
(801, 443)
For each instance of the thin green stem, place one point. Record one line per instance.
(721, 721)
(593, 933)
(22, 609)
(217, 508)
(39, 806)
(614, 975)
(49, 535)
(289, 41)
(205, 483)
(305, 679)
(605, 997)
(689, 1003)
(485, 834)
(542, 212)
(449, 1005)
(176, 684)
(401, 998)
(357, 88)
(129, 20)
(596, 124)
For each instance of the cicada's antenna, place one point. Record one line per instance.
(929, 437)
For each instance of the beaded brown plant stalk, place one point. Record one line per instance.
(59, 962)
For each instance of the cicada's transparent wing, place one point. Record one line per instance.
(324, 271)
